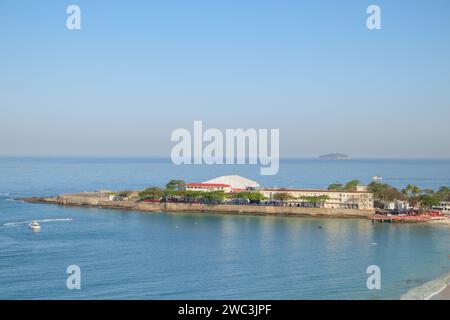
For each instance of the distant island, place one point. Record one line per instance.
(335, 156)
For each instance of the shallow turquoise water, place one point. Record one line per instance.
(167, 256)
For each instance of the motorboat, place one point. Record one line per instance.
(34, 225)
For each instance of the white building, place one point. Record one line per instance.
(398, 205)
(207, 187)
(336, 198)
(235, 182)
(444, 207)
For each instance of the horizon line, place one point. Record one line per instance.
(160, 157)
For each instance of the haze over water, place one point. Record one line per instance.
(167, 256)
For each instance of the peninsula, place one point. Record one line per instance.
(238, 195)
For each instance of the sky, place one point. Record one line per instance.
(138, 70)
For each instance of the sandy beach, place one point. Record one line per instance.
(437, 289)
(443, 295)
(441, 222)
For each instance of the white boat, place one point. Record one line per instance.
(377, 178)
(34, 225)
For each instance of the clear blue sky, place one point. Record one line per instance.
(139, 69)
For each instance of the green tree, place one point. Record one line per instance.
(152, 193)
(214, 196)
(351, 185)
(443, 193)
(428, 191)
(283, 196)
(384, 192)
(411, 190)
(428, 201)
(169, 194)
(123, 194)
(251, 196)
(191, 195)
(176, 185)
(256, 197)
(336, 186)
(317, 201)
(243, 195)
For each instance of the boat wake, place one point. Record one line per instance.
(18, 223)
(4, 194)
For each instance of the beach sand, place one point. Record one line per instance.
(445, 221)
(437, 289)
(443, 295)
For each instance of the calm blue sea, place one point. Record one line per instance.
(127, 255)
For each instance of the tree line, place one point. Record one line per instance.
(411, 193)
(176, 189)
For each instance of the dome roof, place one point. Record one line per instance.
(235, 181)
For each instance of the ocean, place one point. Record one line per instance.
(132, 255)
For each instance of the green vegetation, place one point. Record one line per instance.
(191, 195)
(426, 198)
(317, 201)
(349, 186)
(152, 193)
(213, 197)
(411, 190)
(384, 192)
(123, 194)
(283, 196)
(176, 185)
(336, 186)
(175, 190)
(443, 193)
(251, 196)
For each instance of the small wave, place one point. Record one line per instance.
(4, 194)
(18, 223)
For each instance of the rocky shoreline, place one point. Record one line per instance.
(100, 201)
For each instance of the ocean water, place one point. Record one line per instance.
(132, 255)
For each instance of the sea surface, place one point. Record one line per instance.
(132, 255)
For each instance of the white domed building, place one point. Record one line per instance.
(224, 183)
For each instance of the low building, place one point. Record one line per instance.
(336, 198)
(397, 205)
(207, 187)
(444, 206)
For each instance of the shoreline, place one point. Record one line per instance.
(443, 294)
(97, 201)
(437, 289)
